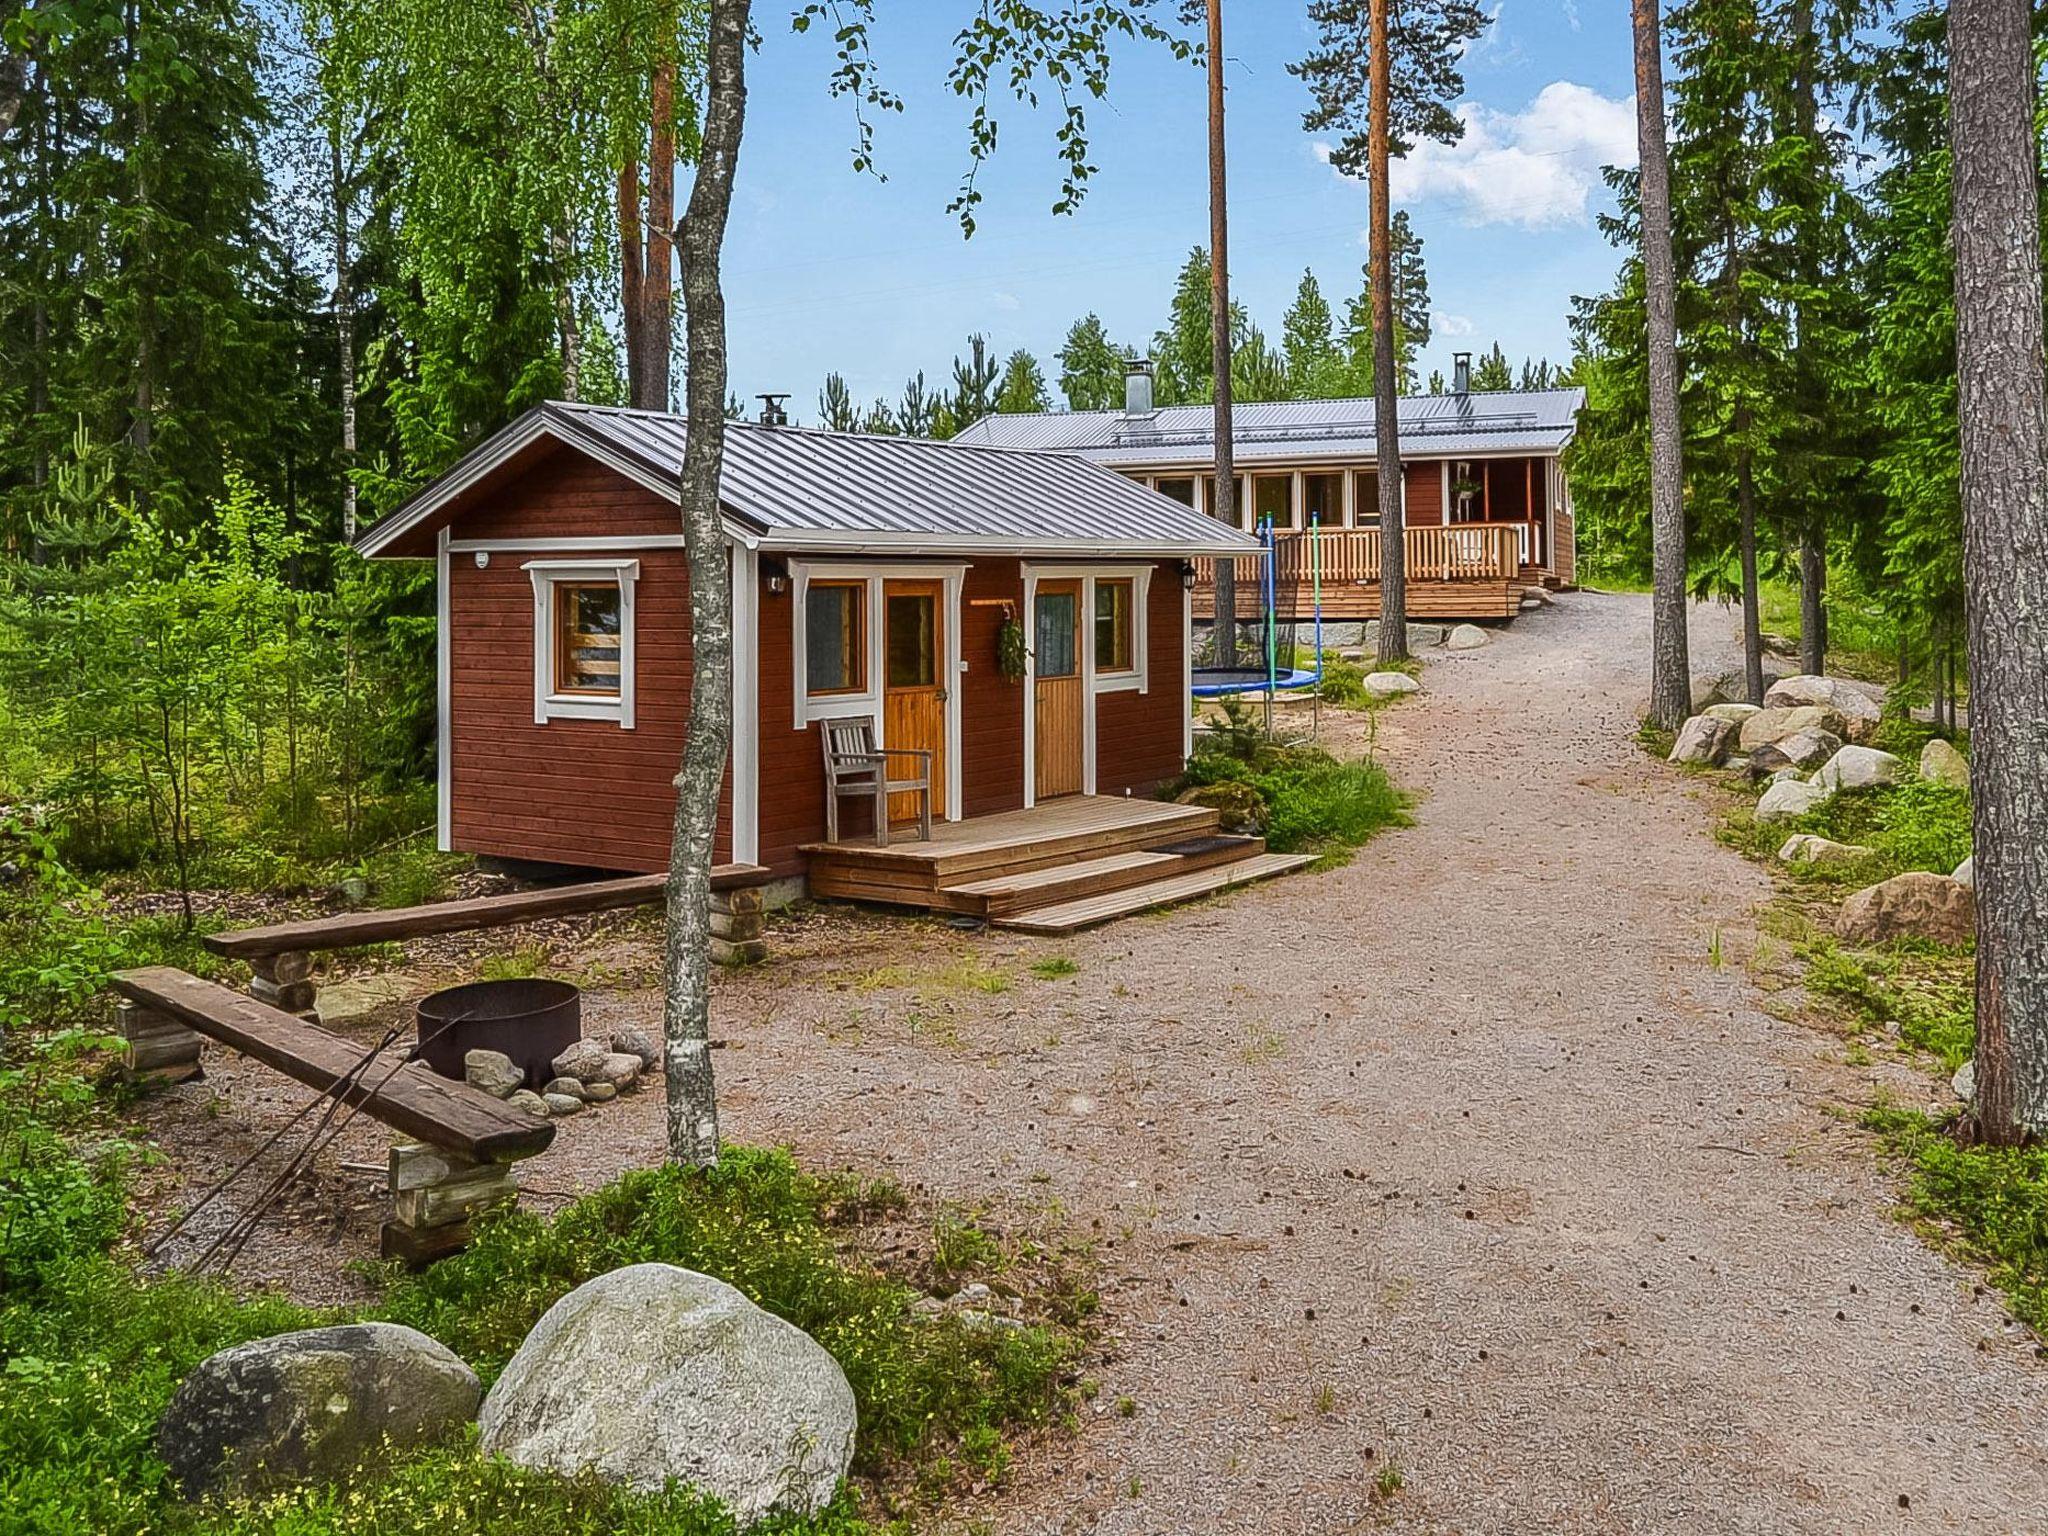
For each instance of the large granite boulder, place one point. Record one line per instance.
(1734, 713)
(582, 1060)
(1859, 768)
(1941, 763)
(1806, 848)
(1768, 726)
(311, 1406)
(653, 1372)
(1703, 740)
(1910, 906)
(494, 1072)
(1845, 698)
(1465, 637)
(1789, 799)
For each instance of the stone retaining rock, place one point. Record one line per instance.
(1859, 768)
(1845, 698)
(1735, 714)
(1769, 726)
(635, 1041)
(1808, 748)
(620, 1071)
(581, 1060)
(652, 1372)
(529, 1101)
(1789, 798)
(311, 1406)
(1704, 740)
(1912, 905)
(1807, 848)
(1466, 637)
(1941, 763)
(1239, 805)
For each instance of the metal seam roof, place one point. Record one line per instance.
(1294, 431)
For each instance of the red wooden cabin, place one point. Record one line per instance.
(871, 577)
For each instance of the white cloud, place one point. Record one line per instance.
(1005, 301)
(1453, 325)
(1538, 168)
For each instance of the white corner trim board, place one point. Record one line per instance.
(548, 704)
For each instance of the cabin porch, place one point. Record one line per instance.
(1055, 867)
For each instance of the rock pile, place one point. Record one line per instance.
(591, 1071)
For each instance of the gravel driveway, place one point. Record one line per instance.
(1479, 1160)
(1467, 1159)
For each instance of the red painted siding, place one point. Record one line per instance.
(1138, 736)
(1423, 480)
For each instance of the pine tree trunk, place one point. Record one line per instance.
(345, 334)
(1670, 659)
(686, 958)
(1813, 597)
(1385, 382)
(657, 314)
(1752, 624)
(631, 248)
(2002, 402)
(1224, 627)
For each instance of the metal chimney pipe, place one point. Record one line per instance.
(1138, 386)
(772, 413)
(1461, 373)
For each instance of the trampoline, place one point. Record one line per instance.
(1272, 678)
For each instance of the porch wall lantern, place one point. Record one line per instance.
(776, 574)
(1187, 575)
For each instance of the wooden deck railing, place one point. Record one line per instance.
(1351, 556)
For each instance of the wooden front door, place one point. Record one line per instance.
(1056, 688)
(913, 691)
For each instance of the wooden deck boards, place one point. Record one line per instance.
(1069, 917)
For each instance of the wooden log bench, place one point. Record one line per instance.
(461, 1144)
(281, 954)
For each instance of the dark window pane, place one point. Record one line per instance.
(912, 639)
(1055, 626)
(1322, 500)
(1366, 492)
(1273, 499)
(1113, 626)
(832, 659)
(1181, 490)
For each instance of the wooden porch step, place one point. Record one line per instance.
(1066, 883)
(1067, 917)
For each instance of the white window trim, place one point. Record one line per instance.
(868, 702)
(547, 576)
(1093, 684)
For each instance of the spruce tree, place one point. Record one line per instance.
(1022, 390)
(1091, 367)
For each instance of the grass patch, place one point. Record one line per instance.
(1311, 801)
(1986, 1204)
(528, 960)
(1929, 998)
(1055, 967)
(1914, 825)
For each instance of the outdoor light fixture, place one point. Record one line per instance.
(777, 574)
(1187, 575)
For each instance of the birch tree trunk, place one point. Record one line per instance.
(1224, 625)
(1670, 660)
(2002, 402)
(1385, 378)
(686, 958)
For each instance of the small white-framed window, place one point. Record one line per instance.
(1116, 627)
(583, 661)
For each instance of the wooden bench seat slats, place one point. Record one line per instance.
(412, 1100)
(352, 928)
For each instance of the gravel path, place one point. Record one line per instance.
(1466, 1159)
(1479, 1159)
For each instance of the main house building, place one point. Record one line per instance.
(1487, 507)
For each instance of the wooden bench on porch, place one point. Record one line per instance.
(461, 1143)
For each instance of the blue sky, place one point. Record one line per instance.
(830, 269)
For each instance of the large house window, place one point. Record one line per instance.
(583, 639)
(1115, 648)
(1209, 499)
(1273, 500)
(1180, 487)
(1322, 500)
(835, 637)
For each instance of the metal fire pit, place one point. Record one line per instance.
(532, 1020)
